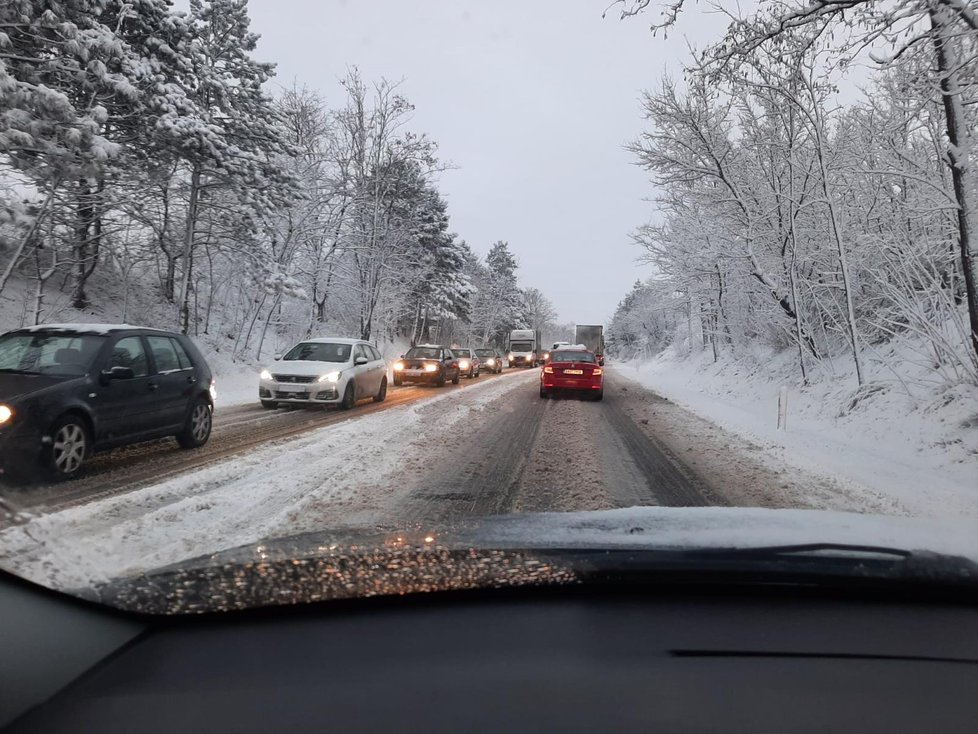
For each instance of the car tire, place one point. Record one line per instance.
(70, 445)
(440, 381)
(455, 380)
(382, 392)
(599, 395)
(269, 404)
(349, 396)
(544, 393)
(398, 381)
(197, 429)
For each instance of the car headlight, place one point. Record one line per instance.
(265, 375)
(398, 366)
(511, 356)
(464, 364)
(431, 368)
(546, 355)
(330, 377)
(5, 414)
(490, 361)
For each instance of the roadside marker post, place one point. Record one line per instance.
(783, 409)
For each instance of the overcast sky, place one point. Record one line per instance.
(532, 100)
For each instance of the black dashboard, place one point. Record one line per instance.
(567, 660)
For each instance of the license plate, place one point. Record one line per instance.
(573, 372)
(414, 373)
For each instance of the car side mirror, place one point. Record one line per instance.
(117, 373)
(277, 357)
(360, 360)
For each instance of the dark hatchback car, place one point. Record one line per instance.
(432, 364)
(69, 390)
(492, 360)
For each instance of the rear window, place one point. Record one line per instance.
(562, 355)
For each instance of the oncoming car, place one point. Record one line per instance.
(329, 371)
(69, 390)
(469, 363)
(492, 360)
(573, 368)
(431, 364)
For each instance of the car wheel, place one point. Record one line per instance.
(440, 380)
(349, 399)
(70, 446)
(398, 381)
(382, 393)
(269, 404)
(544, 393)
(600, 394)
(457, 377)
(197, 429)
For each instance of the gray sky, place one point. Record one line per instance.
(532, 100)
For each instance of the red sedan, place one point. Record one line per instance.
(572, 369)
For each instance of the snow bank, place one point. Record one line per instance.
(919, 450)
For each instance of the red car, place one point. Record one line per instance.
(572, 370)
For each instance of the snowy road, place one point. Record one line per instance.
(425, 458)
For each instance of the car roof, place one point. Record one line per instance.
(333, 340)
(429, 346)
(572, 348)
(89, 328)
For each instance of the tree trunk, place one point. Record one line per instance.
(958, 156)
(188, 249)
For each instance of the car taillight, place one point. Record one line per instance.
(548, 369)
(597, 371)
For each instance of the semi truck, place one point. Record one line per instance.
(591, 336)
(524, 348)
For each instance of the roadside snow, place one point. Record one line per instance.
(922, 457)
(307, 483)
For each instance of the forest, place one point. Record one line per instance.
(149, 163)
(815, 193)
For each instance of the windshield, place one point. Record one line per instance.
(319, 352)
(562, 355)
(424, 353)
(752, 227)
(58, 354)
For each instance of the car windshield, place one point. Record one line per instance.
(567, 355)
(319, 352)
(752, 227)
(60, 354)
(423, 353)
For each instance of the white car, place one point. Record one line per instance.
(323, 372)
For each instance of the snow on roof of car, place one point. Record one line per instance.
(86, 328)
(575, 347)
(333, 340)
(431, 346)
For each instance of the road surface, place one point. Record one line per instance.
(425, 458)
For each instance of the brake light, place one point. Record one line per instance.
(548, 370)
(597, 371)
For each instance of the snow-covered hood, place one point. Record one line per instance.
(666, 528)
(644, 546)
(305, 367)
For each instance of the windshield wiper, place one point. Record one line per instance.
(18, 372)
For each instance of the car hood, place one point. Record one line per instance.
(14, 386)
(559, 549)
(305, 368)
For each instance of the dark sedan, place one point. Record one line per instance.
(432, 364)
(67, 391)
(492, 360)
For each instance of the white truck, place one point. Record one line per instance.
(524, 348)
(591, 336)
